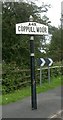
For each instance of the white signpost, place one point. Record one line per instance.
(31, 28)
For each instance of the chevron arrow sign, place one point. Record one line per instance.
(49, 61)
(41, 62)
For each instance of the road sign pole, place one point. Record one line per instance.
(49, 74)
(42, 62)
(33, 81)
(49, 62)
(40, 75)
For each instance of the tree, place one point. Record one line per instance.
(55, 45)
(16, 47)
(0, 32)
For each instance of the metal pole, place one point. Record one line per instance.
(33, 81)
(40, 75)
(49, 74)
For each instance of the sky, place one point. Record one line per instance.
(54, 13)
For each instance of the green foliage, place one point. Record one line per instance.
(62, 45)
(24, 92)
(55, 45)
(16, 48)
(16, 95)
(15, 78)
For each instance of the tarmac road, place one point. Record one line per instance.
(48, 104)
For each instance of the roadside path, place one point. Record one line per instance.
(49, 103)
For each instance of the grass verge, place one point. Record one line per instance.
(24, 92)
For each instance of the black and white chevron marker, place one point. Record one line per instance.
(41, 62)
(49, 61)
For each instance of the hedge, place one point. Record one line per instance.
(13, 79)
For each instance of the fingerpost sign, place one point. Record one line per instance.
(32, 28)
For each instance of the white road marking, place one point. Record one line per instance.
(56, 114)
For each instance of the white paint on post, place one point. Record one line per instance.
(32, 54)
(31, 37)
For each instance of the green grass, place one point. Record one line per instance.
(17, 95)
(24, 92)
(54, 83)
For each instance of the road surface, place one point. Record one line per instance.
(48, 104)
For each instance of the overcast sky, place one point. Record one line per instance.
(54, 12)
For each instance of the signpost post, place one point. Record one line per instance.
(49, 62)
(49, 74)
(42, 62)
(32, 28)
(33, 81)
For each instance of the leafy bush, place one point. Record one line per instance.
(14, 78)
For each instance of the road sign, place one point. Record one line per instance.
(49, 61)
(41, 62)
(32, 28)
